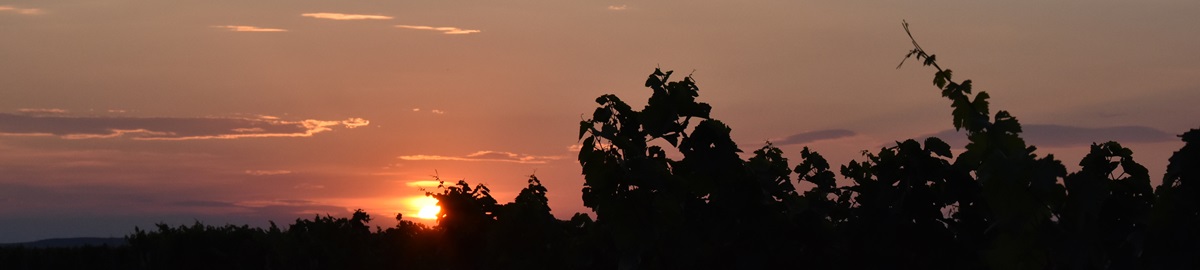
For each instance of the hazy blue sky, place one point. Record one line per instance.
(115, 114)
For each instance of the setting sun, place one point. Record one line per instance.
(428, 208)
(429, 212)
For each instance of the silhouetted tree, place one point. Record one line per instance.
(1020, 190)
(1106, 212)
(466, 217)
(527, 236)
(900, 195)
(710, 209)
(1175, 221)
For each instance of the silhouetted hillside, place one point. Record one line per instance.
(71, 242)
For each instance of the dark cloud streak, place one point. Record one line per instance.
(163, 128)
(812, 136)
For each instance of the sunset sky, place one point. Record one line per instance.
(122, 113)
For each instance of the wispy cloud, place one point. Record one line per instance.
(272, 209)
(41, 111)
(247, 28)
(290, 206)
(812, 136)
(487, 156)
(308, 186)
(203, 203)
(598, 146)
(345, 17)
(618, 8)
(261, 203)
(1067, 136)
(22, 11)
(423, 183)
(443, 29)
(164, 128)
(434, 111)
(267, 172)
(355, 122)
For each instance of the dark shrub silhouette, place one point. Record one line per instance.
(1175, 220)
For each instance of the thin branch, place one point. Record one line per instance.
(917, 50)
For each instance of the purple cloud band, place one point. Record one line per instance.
(1066, 136)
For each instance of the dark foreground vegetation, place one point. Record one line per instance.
(996, 205)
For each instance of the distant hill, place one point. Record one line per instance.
(71, 242)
